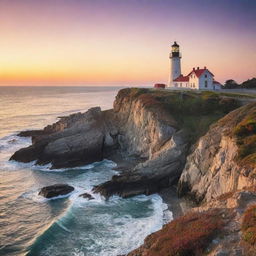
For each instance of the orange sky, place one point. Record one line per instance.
(122, 42)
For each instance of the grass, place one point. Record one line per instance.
(192, 111)
(189, 235)
(245, 134)
(195, 111)
(249, 226)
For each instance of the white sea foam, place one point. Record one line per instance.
(121, 232)
(125, 232)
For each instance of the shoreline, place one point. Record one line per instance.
(177, 206)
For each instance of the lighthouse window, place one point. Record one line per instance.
(205, 84)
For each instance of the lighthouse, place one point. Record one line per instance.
(175, 69)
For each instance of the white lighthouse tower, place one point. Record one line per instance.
(175, 57)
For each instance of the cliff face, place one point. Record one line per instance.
(146, 130)
(223, 160)
(153, 127)
(142, 130)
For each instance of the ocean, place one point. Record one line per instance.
(71, 225)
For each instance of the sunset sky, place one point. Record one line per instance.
(123, 42)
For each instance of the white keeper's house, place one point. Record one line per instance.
(198, 78)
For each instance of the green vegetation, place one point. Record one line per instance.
(249, 226)
(195, 232)
(249, 84)
(245, 132)
(192, 111)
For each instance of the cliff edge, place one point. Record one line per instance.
(224, 159)
(151, 129)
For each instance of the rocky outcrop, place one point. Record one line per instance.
(55, 190)
(149, 127)
(137, 128)
(71, 142)
(161, 170)
(215, 167)
(87, 196)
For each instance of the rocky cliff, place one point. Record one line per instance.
(201, 140)
(224, 159)
(153, 129)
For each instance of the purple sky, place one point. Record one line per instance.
(124, 41)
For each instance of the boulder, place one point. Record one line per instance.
(87, 196)
(55, 190)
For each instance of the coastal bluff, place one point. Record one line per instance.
(151, 130)
(203, 142)
(149, 133)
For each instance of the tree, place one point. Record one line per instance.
(231, 84)
(250, 83)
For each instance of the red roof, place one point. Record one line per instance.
(181, 78)
(199, 72)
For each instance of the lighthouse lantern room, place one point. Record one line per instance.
(175, 57)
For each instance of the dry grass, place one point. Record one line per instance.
(249, 226)
(189, 235)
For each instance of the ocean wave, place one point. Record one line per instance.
(113, 227)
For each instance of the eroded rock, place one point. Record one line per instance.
(55, 190)
(87, 196)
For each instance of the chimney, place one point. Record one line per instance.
(204, 67)
(194, 69)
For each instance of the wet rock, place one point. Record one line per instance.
(143, 178)
(68, 144)
(31, 133)
(87, 196)
(55, 190)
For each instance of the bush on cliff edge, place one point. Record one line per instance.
(189, 235)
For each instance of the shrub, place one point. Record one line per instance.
(186, 236)
(245, 133)
(249, 225)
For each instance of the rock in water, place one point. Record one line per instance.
(68, 145)
(87, 196)
(55, 190)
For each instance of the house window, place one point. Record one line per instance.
(180, 84)
(205, 84)
(205, 75)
